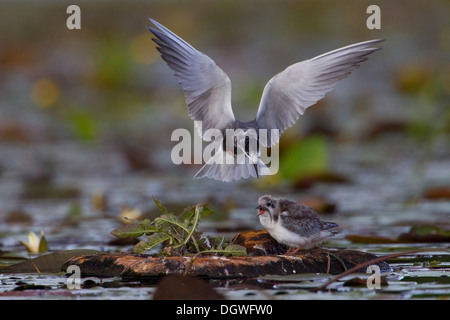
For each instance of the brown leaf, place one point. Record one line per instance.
(437, 193)
(176, 287)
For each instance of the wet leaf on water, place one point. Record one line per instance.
(438, 193)
(426, 233)
(36, 293)
(31, 286)
(427, 230)
(50, 263)
(185, 288)
(18, 216)
(359, 282)
(422, 233)
(441, 278)
(38, 190)
(88, 284)
(356, 238)
(384, 126)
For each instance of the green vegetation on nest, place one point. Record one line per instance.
(177, 233)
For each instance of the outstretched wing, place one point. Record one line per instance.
(207, 88)
(301, 85)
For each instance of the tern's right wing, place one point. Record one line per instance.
(207, 88)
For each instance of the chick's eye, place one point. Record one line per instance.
(269, 204)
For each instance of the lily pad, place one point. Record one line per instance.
(48, 263)
(426, 233)
(437, 193)
(421, 233)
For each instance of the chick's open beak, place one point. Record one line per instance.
(261, 209)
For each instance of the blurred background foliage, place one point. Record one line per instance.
(106, 85)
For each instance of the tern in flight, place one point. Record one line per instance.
(285, 98)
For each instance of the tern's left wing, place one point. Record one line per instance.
(287, 95)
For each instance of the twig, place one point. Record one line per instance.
(364, 264)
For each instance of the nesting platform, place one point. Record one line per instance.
(265, 256)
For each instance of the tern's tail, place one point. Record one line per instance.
(229, 172)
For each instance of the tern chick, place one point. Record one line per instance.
(293, 224)
(286, 96)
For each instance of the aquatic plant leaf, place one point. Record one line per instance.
(231, 249)
(134, 230)
(219, 242)
(194, 223)
(166, 220)
(152, 241)
(180, 232)
(235, 250)
(51, 262)
(206, 211)
(427, 229)
(160, 206)
(425, 233)
(187, 213)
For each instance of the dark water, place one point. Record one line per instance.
(389, 211)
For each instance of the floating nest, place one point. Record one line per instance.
(265, 256)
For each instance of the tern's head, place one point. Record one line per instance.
(242, 143)
(267, 208)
